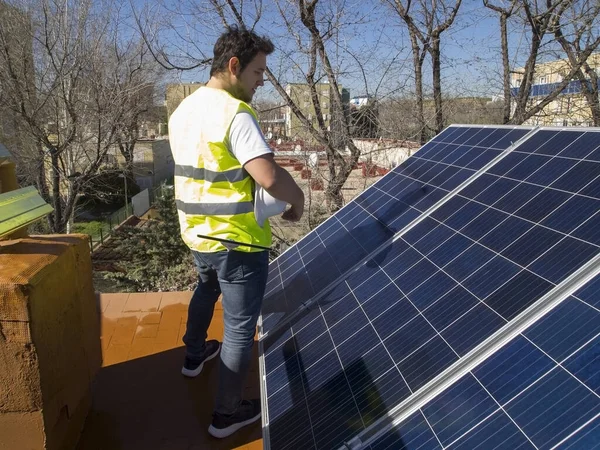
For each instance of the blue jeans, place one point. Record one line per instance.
(241, 278)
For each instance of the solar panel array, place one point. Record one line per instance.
(394, 298)
(540, 391)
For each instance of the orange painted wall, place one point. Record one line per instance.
(49, 340)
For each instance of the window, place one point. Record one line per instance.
(565, 123)
(543, 80)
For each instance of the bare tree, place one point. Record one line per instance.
(419, 44)
(312, 26)
(73, 92)
(575, 38)
(504, 13)
(426, 21)
(541, 20)
(438, 19)
(138, 105)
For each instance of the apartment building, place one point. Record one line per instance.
(570, 108)
(300, 93)
(176, 92)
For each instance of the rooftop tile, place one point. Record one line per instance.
(141, 400)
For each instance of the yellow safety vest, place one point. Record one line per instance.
(213, 192)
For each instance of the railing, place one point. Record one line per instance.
(107, 226)
(538, 90)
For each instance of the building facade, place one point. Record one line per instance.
(176, 92)
(152, 162)
(272, 120)
(16, 39)
(300, 93)
(570, 108)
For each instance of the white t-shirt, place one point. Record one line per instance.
(246, 140)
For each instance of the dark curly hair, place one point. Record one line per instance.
(241, 43)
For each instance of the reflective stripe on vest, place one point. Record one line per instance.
(215, 209)
(202, 174)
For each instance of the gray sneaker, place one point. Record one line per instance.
(193, 367)
(223, 426)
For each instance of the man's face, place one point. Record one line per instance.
(249, 79)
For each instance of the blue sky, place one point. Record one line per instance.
(372, 34)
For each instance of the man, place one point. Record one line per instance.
(220, 153)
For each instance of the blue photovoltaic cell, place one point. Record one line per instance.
(432, 295)
(546, 380)
(412, 434)
(539, 391)
(373, 218)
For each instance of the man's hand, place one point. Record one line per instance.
(294, 214)
(279, 183)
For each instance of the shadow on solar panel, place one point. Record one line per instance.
(374, 322)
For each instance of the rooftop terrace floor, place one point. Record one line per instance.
(140, 398)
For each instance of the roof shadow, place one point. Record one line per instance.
(147, 404)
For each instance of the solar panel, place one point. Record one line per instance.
(540, 391)
(422, 304)
(373, 218)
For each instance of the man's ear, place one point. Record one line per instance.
(234, 66)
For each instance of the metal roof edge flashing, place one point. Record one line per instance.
(263, 397)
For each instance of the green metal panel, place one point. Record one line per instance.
(20, 208)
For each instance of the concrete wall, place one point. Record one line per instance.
(49, 341)
(153, 162)
(385, 153)
(141, 203)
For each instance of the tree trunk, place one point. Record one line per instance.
(126, 149)
(588, 88)
(593, 95)
(523, 96)
(437, 84)
(506, 68)
(418, 68)
(57, 223)
(333, 194)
